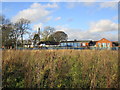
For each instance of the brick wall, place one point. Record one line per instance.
(103, 41)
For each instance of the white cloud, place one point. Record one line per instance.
(103, 26)
(96, 31)
(54, 5)
(97, 36)
(35, 13)
(36, 26)
(102, 4)
(58, 18)
(59, 0)
(46, 19)
(71, 4)
(36, 5)
(108, 4)
(77, 0)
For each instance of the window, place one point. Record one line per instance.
(103, 44)
(75, 44)
(99, 44)
(78, 44)
(71, 44)
(108, 44)
(83, 44)
(62, 44)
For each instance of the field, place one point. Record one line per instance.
(60, 68)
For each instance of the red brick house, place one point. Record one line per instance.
(104, 43)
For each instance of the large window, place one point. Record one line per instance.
(75, 44)
(103, 44)
(78, 44)
(108, 44)
(69, 44)
(62, 44)
(99, 44)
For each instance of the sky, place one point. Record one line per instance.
(80, 20)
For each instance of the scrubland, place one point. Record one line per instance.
(60, 68)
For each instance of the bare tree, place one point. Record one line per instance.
(16, 33)
(47, 31)
(30, 36)
(22, 25)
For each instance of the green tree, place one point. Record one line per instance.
(59, 36)
(36, 38)
(7, 28)
(50, 38)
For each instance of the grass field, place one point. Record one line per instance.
(60, 68)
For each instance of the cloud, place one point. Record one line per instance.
(36, 12)
(108, 5)
(58, 18)
(36, 26)
(96, 31)
(59, 0)
(77, 0)
(102, 4)
(36, 5)
(71, 4)
(46, 19)
(103, 26)
(54, 5)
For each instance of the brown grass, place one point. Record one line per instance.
(60, 68)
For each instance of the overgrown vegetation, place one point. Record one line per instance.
(60, 68)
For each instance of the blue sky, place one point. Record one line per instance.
(80, 20)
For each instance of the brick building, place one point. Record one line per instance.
(103, 43)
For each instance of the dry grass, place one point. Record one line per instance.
(60, 68)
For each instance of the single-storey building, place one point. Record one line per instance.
(83, 44)
(103, 44)
(75, 43)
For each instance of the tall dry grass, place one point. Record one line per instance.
(60, 68)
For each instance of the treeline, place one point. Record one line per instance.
(13, 33)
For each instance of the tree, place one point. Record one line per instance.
(8, 38)
(22, 25)
(47, 31)
(50, 38)
(30, 37)
(36, 38)
(59, 36)
(16, 33)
